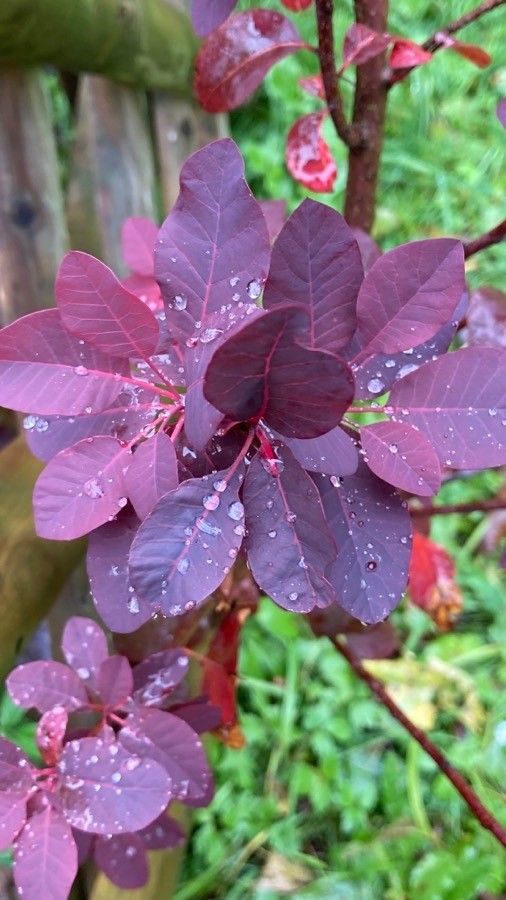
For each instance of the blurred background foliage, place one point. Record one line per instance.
(330, 798)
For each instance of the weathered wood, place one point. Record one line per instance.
(112, 172)
(33, 234)
(180, 129)
(32, 570)
(143, 43)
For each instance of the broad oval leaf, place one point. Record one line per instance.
(187, 545)
(107, 565)
(235, 58)
(115, 680)
(123, 859)
(459, 402)
(95, 306)
(51, 733)
(403, 456)
(138, 236)
(316, 262)
(334, 453)
(84, 646)
(106, 790)
(372, 530)
(45, 684)
(213, 249)
(288, 543)
(263, 372)
(361, 44)
(369, 249)
(12, 817)
(207, 16)
(471, 52)
(47, 371)
(158, 675)
(408, 294)
(81, 488)
(151, 473)
(406, 55)
(308, 156)
(45, 857)
(274, 213)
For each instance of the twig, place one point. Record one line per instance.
(493, 236)
(484, 816)
(437, 40)
(449, 508)
(348, 133)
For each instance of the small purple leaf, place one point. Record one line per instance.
(50, 734)
(403, 456)
(333, 453)
(316, 262)
(95, 306)
(115, 680)
(45, 857)
(81, 488)
(84, 647)
(158, 675)
(151, 473)
(288, 543)
(123, 859)
(163, 834)
(43, 685)
(138, 236)
(106, 790)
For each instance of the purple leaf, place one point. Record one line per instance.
(133, 409)
(95, 306)
(43, 685)
(288, 543)
(81, 488)
(50, 734)
(369, 250)
(207, 16)
(46, 371)
(45, 857)
(106, 790)
(408, 294)
(316, 262)
(401, 455)
(486, 318)
(163, 834)
(158, 675)
(115, 681)
(151, 473)
(138, 236)
(459, 403)
(361, 44)
(187, 545)
(263, 372)
(235, 58)
(333, 453)
(174, 745)
(84, 647)
(107, 564)
(12, 817)
(198, 714)
(372, 530)
(213, 249)
(274, 212)
(15, 769)
(123, 859)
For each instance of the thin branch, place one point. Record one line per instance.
(449, 508)
(437, 40)
(494, 236)
(348, 133)
(484, 816)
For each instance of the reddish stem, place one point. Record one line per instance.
(484, 816)
(449, 508)
(493, 236)
(437, 40)
(348, 133)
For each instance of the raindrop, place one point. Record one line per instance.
(291, 517)
(211, 502)
(239, 530)
(116, 777)
(180, 302)
(492, 412)
(220, 486)
(233, 281)
(29, 422)
(206, 527)
(83, 673)
(272, 534)
(209, 335)
(406, 370)
(302, 564)
(372, 565)
(390, 363)
(81, 370)
(236, 511)
(393, 448)
(182, 566)
(133, 605)
(335, 480)
(93, 488)
(293, 596)
(254, 289)
(375, 386)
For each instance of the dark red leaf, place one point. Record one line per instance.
(372, 530)
(406, 55)
(186, 546)
(206, 16)
(45, 684)
(95, 306)
(115, 681)
(288, 543)
(50, 734)
(199, 715)
(106, 790)
(486, 318)
(458, 401)
(409, 293)
(501, 111)
(471, 52)
(123, 859)
(369, 250)
(160, 736)
(308, 157)
(158, 675)
(81, 488)
(45, 857)
(107, 564)
(432, 584)
(235, 58)
(84, 647)
(316, 262)
(297, 5)
(263, 372)
(138, 236)
(220, 687)
(374, 641)
(214, 248)
(163, 834)
(333, 453)
(151, 473)
(146, 289)
(274, 212)
(12, 817)
(361, 44)
(403, 456)
(47, 371)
